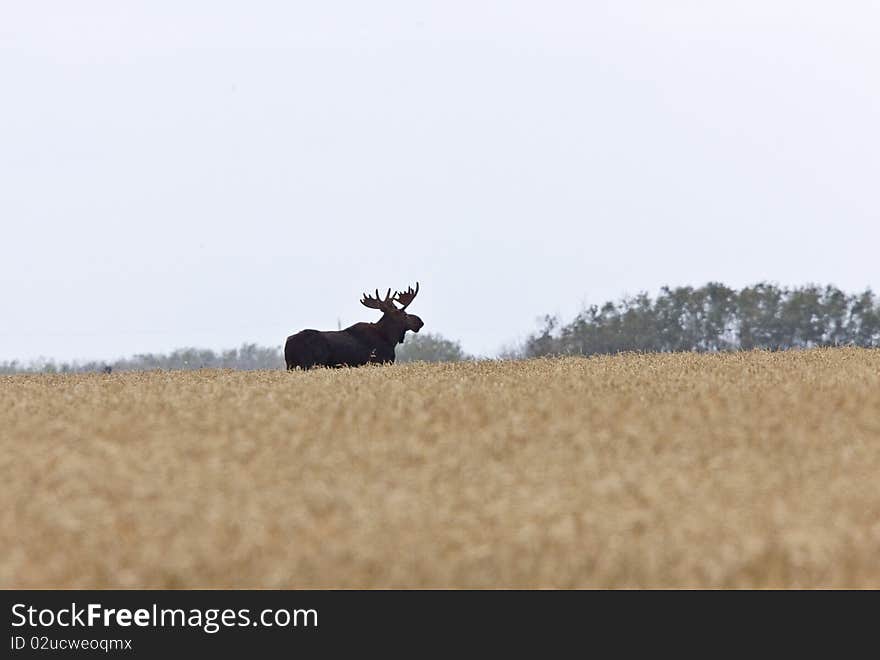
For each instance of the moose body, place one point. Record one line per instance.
(359, 344)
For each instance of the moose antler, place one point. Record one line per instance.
(376, 302)
(406, 297)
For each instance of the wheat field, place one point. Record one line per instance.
(676, 470)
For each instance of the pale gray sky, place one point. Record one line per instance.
(208, 173)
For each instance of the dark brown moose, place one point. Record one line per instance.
(360, 343)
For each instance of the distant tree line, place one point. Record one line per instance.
(710, 318)
(716, 318)
(425, 347)
(247, 357)
(429, 347)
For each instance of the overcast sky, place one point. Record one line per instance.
(209, 173)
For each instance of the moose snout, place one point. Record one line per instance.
(415, 323)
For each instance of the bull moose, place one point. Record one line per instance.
(360, 343)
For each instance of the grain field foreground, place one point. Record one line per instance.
(739, 470)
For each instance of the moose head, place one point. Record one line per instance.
(395, 321)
